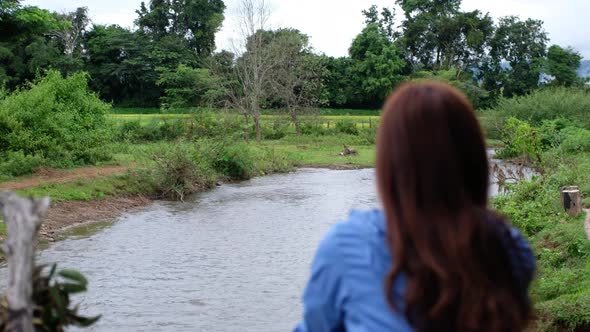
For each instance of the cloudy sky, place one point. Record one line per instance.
(332, 24)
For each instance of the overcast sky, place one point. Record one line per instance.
(332, 24)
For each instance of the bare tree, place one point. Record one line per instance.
(70, 36)
(297, 80)
(255, 62)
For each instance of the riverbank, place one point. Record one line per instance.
(143, 172)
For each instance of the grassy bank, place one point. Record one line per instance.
(561, 291)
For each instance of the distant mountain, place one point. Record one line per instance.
(584, 70)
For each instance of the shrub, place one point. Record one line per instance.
(57, 119)
(178, 170)
(17, 164)
(549, 104)
(130, 131)
(520, 139)
(235, 161)
(575, 140)
(369, 135)
(279, 128)
(348, 127)
(173, 129)
(215, 124)
(312, 128)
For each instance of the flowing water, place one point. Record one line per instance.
(232, 259)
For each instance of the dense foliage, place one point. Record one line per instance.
(54, 121)
(171, 59)
(548, 128)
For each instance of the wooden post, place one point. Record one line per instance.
(571, 200)
(328, 124)
(22, 217)
(370, 123)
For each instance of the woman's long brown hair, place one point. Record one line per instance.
(432, 173)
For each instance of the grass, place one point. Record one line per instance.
(154, 110)
(324, 151)
(84, 190)
(561, 291)
(2, 228)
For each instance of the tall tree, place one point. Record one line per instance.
(562, 64)
(438, 36)
(195, 21)
(518, 49)
(296, 81)
(255, 61)
(25, 45)
(121, 66)
(385, 20)
(377, 66)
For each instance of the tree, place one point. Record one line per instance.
(562, 64)
(70, 35)
(464, 82)
(438, 36)
(338, 82)
(255, 62)
(188, 87)
(517, 55)
(296, 81)
(195, 21)
(121, 66)
(25, 32)
(376, 66)
(386, 21)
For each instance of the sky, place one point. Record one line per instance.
(332, 24)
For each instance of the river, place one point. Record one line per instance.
(232, 259)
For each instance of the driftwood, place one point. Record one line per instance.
(571, 199)
(348, 151)
(22, 217)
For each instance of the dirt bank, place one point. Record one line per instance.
(48, 176)
(64, 215)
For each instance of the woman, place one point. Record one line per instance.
(436, 258)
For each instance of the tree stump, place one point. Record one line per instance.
(22, 217)
(571, 199)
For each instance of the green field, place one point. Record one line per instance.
(328, 121)
(321, 111)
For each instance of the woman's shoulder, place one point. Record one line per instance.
(351, 241)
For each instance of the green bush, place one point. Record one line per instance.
(549, 104)
(173, 129)
(575, 140)
(562, 287)
(56, 119)
(346, 127)
(313, 128)
(215, 125)
(235, 161)
(279, 128)
(178, 170)
(492, 124)
(520, 140)
(129, 131)
(17, 164)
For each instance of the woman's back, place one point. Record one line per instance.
(436, 258)
(345, 291)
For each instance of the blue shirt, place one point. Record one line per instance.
(345, 291)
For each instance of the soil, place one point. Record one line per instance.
(64, 215)
(48, 176)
